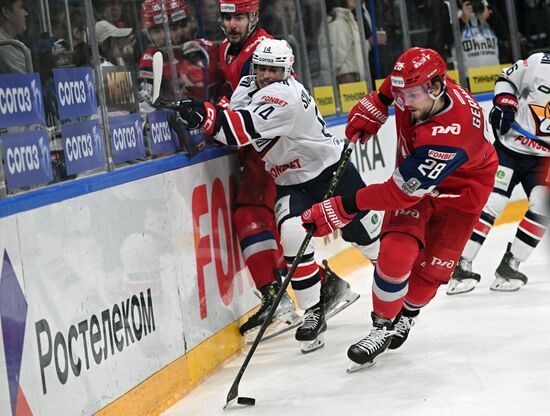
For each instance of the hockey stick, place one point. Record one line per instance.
(233, 395)
(158, 62)
(515, 126)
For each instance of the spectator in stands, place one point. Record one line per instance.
(282, 23)
(211, 25)
(80, 54)
(345, 43)
(479, 41)
(114, 43)
(13, 22)
(111, 11)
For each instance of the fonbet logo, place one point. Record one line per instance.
(13, 316)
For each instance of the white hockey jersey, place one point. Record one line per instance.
(283, 124)
(529, 81)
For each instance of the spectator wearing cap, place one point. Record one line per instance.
(13, 22)
(114, 43)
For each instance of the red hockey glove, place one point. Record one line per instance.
(505, 107)
(326, 216)
(199, 115)
(366, 117)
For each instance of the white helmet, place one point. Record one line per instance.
(273, 52)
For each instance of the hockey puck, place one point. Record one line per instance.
(246, 401)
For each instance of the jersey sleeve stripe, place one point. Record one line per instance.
(249, 124)
(236, 125)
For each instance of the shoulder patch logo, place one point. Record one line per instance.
(411, 186)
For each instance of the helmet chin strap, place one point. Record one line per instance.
(435, 98)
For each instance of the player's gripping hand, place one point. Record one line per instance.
(198, 115)
(505, 107)
(326, 216)
(366, 117)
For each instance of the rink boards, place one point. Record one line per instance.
(121, 300)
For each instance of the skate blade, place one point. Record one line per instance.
(460, 287)
(279, 326)
(343, 304)
(353, 367)
(310, 346)
(503, 285)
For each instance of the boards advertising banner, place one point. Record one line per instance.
(74, 92)
(82, 146)
(163, 138)
(21, 101)
(26, 158)
(126, 138)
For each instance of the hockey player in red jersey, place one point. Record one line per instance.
(254, 214)
(444, 175)
(195, 60)
(522, 95)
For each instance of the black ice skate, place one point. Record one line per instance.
(284, 318)
(463, 280)
(363, 353)
(337, 293)
(507, 276)
(402, 325)
(311, 332)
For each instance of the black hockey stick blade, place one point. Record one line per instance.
(233, 394)
(243, 401)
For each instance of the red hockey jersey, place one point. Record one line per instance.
(447, 157)
(197, 68)
(256, 186)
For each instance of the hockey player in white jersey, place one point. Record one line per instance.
(522, 96)
(275, 114)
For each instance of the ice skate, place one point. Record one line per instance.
(311, 332)
(284, 319)
(337, 293)
(363, 353)
(463, 280)
(507, 276)
(402, 325)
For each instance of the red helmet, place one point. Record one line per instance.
(418, 66)
(151, 13)
(239, 6)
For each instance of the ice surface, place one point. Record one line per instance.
(481, 353)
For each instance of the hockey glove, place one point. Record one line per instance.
(366, 117)
(505, 107)
(326, 216)
(198, 115)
